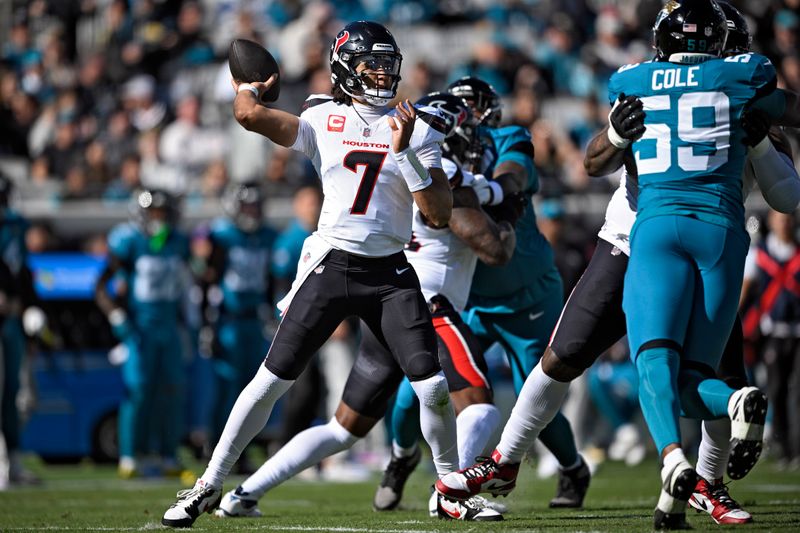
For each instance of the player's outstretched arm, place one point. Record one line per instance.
(773, 169)
(278, 126)
(492, 242)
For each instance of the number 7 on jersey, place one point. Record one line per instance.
(373, 161)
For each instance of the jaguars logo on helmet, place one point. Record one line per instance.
(370, 44)
(244, 204)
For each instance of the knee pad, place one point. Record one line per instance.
(433, 392)
(422, 365)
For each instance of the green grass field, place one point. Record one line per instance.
(90, 498)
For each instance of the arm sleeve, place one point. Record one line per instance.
(776, 177)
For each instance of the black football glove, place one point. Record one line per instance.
(510, 209)
(627, 118)
(756, 126)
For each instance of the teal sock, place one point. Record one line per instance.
(405, 416)
(658, 394)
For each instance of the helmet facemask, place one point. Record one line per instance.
(366, 74)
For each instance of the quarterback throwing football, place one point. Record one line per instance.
(374, 162)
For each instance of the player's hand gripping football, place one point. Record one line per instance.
(402, 125)
(627, 117)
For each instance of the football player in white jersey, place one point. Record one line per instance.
(593, 319)
(444, 259)
(374, 162)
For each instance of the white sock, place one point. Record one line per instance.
(672, 459)
(399, 451)
(306, 449)
(538, 403)
(675, 460)
(476, 425)
(712, 457)
(438, 422)
(248, 417)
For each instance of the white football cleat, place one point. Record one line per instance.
(471, 510)
(677, 486)
(235, 504)
(747, 409)
(202, 498)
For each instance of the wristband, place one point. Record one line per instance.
(117, 316)
(616, 139)
(247, 87)
(416, 176)
(495, 193)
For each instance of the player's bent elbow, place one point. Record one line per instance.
(440, 216)
(245, 117)
(784, 196)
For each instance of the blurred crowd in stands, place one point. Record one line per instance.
(100, 96)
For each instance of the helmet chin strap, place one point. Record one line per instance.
(372, 100)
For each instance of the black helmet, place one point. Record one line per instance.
(739, 38)
(461, 125)
(370, 43)
(689, 28)
(146, 202)
(481, 97)
(244, 204)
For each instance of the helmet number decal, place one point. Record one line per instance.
(373, 163)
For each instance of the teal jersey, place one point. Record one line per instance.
(156, 279)
(691, 156)
(13, 250)
(286, 250)
(247, 262)
(528, 277)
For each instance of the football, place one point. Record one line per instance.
(249, 62)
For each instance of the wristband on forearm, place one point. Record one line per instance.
(495, 193)
(247, 87)
(416, 176)
(615, 138)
